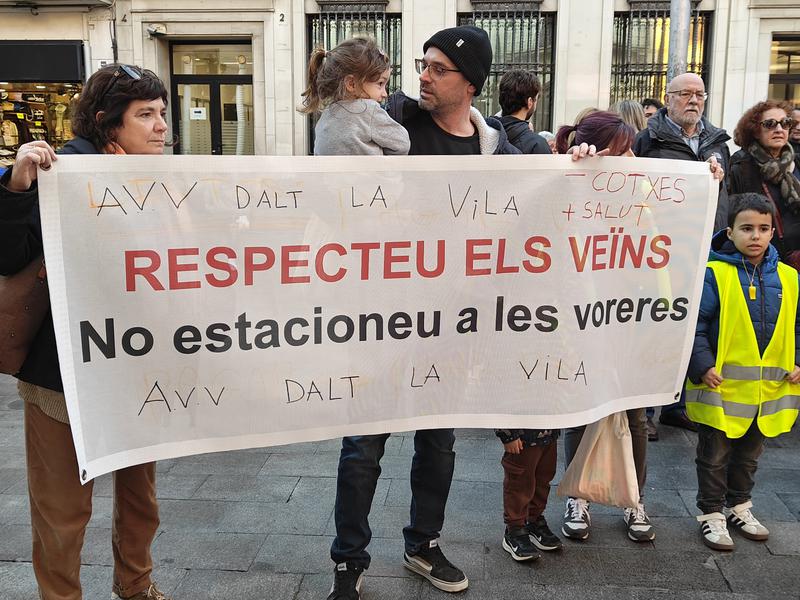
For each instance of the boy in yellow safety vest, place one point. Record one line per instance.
(743, 373)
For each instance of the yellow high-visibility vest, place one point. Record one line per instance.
(754, 386)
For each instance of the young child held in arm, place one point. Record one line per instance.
(529, 463)
(346, 86)
(743, 373)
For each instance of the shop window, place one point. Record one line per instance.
(34, 111)
(784, 69)
(522, 37)
(641, 50)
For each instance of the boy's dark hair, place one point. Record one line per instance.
(516, 86)
(750, 201)
(652, 102)
(112, 94)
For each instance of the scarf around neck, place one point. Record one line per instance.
(779, 171)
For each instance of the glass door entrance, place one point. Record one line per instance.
(212, 98)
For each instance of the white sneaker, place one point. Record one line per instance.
(576, 519)
(741, 519)
(715, 531)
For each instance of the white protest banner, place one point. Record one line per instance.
(214, 303)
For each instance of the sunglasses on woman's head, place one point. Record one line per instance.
(120, 70)
(770, 124)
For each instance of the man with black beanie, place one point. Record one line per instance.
(443, 121)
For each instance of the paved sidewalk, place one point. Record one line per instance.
(258, 524)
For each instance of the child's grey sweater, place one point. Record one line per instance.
(358, 127)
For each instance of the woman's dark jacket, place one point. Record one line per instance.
(20, 243)
(745, 176)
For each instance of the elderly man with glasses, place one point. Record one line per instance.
(443, 121)
(680, 131)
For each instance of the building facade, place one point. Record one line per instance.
(236, 68)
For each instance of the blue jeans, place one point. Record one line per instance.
(359, 469)
(680, 404)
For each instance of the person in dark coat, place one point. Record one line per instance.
(680, 131)
(766, 164)
(519, 94)
(794, 134)
(121, 111)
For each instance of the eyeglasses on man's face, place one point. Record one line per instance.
(786, 123)
(435, 71)
(686, 95)
(119, 71)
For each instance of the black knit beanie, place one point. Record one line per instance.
(469, 49)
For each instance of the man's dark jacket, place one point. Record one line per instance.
(659, 140)
(520, 135)
(20, 243)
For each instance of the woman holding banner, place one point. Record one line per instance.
(121, 111)
(603, 133)
(607, 132)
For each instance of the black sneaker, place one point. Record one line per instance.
(433, 566)
(346, 582)
(517, 543)
(542, 537)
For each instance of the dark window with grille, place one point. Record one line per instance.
(522, 38)
(342, 20)
(641, 52)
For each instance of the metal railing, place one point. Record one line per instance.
(338, 21)
(641, 50)
(522, 37)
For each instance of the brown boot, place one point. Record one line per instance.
(151, 593)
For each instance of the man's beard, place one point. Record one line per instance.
(688, 120)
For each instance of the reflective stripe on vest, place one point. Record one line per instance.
(754, 386)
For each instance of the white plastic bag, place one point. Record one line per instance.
(603, 470)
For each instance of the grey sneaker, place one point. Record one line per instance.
(741, 519)
(639, 527)
(576, 519)
(431, 563)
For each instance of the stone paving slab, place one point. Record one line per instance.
(207, 550)
(764, 575)
(222, 585)
(240, 487)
